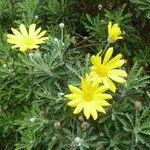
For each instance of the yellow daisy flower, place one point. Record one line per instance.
(105, 71)
(25, 40)
(90, 98)
(114, 32)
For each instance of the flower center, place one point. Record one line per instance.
(88, 95)
(102, 71)
(28, 41)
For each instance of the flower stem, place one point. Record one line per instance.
(106, 47)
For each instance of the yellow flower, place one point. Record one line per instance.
(114, 32)
(105, 71)
(26, 40)
(90, 98)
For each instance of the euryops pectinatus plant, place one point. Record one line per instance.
(74, 75)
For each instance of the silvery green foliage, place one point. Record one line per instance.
(33, 111)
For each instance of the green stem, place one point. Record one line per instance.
(106, 47)
(62, 35)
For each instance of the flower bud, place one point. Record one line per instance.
(100, 147)
(138, 105)
(37, 54)
(4, 65)
(30, 54)
(103, 21)
(56, 40)
(32, 120)
(81, 119)
(123, 32)
(57, 125)
(36, 17)
(85, 38)
(85, 125)
(78, 141)
(101, 134)
(100, 7)
(54, 138)
(61, 25)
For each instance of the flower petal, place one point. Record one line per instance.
(32, 30)
(74, 103)
(117, 78)
(94, 114)
(108, 55)
(100, 109)
(117, 72)
(23, 30)
(108, 83)
(114, 60)
(117, 64)
(72, 96)
(86, 111)
(74, 89)
(79, 108)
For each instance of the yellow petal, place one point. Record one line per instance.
(117, 72)
(108, 83)
(34, 46)
(102, 103)
(15, 46)
(79, 108)
(117, 64)
(108, 55)
(109, 27)
(17, 33)
(11, 36)
(37, 31)
(96, 60)
(74, 89)
(117, 79)
(101, 89)
(102, 96)
(41, 34)
(94, 114)
(23, 48)
(23, 30)
(74, 103)
(119, 37)
(72, 96)
(32, 30)
(114, 60)
(86, 111)
(100, 109)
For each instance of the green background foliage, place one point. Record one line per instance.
(33, 112)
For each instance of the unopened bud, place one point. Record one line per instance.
(81, 119)
(30, 55)
(57, 125)
(54, 138)
(101, 134)
(56, 40)
(73, 40)
(100, 7)
(85, 38)
(103, 21)
(78, 141)
(61, 25)
(36, 17)
(85, 125)
(37, 54)
(100, 147)
(60, 94)
(138, 105)
(32, 120)
(4, 65)
(123, 32)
